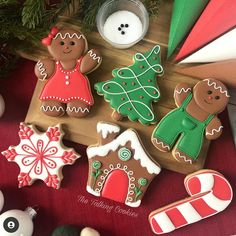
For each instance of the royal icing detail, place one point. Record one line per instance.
(94, 56)
(67, 99)
(40, 155)
(184, 157)
(210, 193)
(52, 108)
(215, 131)
(183, 129)
(212, 83)
(67, 87)
(124, 154)
(74, 35)
(42, 70)
(134, 88)
(127, 136)
(77, 109)
(105, 129)
(119, 167)
(162, 144)
(183, 90)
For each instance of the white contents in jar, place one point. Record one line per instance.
(123, 27)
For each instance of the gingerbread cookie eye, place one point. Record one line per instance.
(217, 97)
(62, 43)
(209, 92)
(72, 43)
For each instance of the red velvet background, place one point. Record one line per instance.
(65, 206)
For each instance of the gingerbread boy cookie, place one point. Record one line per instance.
(67, 89)
(40, 155)
(119, 167)
(184, 128)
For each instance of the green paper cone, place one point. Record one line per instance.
(184, 15)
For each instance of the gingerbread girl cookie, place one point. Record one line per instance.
(67, 88)
(194, 119)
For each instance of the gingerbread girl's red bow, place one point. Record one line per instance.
(51, 35)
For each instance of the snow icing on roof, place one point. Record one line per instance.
(121, 140)
(106, 128)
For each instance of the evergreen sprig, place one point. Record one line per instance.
(32, 13)
(23, 23)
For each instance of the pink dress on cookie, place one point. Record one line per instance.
(67, 85)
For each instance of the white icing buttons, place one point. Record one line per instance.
(123, 27)
(67, 77)
(67, 82)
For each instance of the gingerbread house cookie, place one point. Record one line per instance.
(119, 167)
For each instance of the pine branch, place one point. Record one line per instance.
(88, 12)
(56, 10)
(8, 2)
(32, 13)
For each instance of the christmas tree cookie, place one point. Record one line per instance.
(134, 88)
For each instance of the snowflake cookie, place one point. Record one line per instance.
(40, 155)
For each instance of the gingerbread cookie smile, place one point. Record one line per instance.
(183, 129)
(67, 89)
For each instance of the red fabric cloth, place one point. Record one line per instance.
(71, 204)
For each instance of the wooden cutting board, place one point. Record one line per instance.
(84, 130)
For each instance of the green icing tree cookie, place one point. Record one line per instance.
(134, 88)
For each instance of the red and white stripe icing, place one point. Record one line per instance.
(210, 194)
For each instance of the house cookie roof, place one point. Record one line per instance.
(127, 136)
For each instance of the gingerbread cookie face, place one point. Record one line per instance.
(67, 88)
(210, 193)
(211, 95)
(119, 167)
(184, 129)
(40, 155)
(67, 44)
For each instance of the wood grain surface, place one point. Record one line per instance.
(84, 130)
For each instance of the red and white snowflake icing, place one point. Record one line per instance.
(40, 155)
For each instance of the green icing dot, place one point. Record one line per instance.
(97, 165)
(142, 181)
(124, 154)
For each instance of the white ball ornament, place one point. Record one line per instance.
(16, 222)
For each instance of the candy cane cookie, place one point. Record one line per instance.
(210, 193)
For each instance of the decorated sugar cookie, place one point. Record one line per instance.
(195, 118)
(67, 88)
(119, 167)
(210, 193)
(134, 88)
(40, 155)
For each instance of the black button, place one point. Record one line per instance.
(11, 224)
(123, 32)
(119, 28)
(126, 25)
(122, 25)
